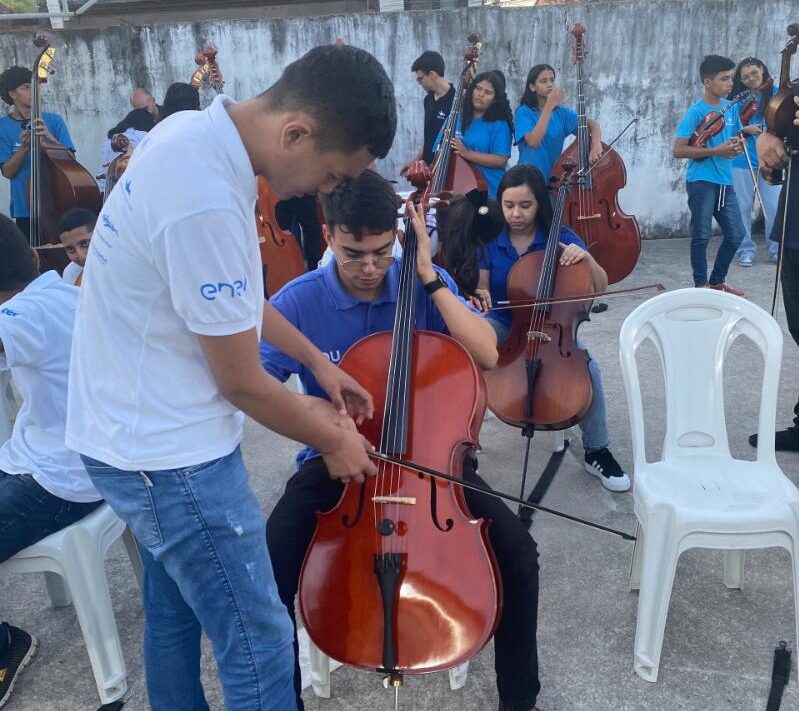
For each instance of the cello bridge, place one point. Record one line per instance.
(595, 216)
(538, 336)
(406, 500)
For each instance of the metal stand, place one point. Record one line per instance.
(547, 476)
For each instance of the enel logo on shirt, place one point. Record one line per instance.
(210, 291)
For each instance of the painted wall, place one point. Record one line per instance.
(642, 62)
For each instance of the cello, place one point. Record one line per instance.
(409, 571)
(592, 208)
(57, 181)
(541, 380)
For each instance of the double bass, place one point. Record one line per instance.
(409, 572)
(541, 379)
(57, 181)
(592, 208)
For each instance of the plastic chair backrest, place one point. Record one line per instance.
(692, 330)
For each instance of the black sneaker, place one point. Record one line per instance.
(784, 441)
(21, 649)
(603, 465)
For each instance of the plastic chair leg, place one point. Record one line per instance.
(637, 557)
(320, 671)
(132, 548)
(457, 676)
(657, 576)
(57, 590)
(85, 573)
(734, 568)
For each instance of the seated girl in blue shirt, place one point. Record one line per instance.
(542, 124)
(484, 132)
(527, 212)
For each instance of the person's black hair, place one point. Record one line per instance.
(530, 98)
(77, 217)
(429, 61)
(347, 93)
(138, 119)
(533, 178)
(17, 267)
(364, 205)
(179, 97)
(502, 78)
(464, 233)
(11, 78)
(499, 109)
(712, 64)
(738, 86)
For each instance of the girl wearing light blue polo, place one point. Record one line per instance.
(542, 124)
(484, 132)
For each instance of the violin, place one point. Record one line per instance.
(592, 208)
(781, 110)
(542, 378)
(408, 570)
(452, 172)
(749, 109)
(57, 181)
(712, 123)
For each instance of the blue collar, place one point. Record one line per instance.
(538, 243)
(344, 300)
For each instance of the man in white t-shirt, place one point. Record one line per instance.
(166, 365)
(75, 232)
(43, 485)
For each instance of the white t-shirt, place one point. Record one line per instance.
(36, 330)
(71, 273)
(174, 254)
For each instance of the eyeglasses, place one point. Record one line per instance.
(353, 266)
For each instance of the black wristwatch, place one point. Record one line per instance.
(438, 283)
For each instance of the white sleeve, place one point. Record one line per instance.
(212, 271)
(23, 334)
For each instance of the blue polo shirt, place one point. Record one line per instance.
(499, 256)
(563, 122)
(10, 132)
(758, 119)
(317, 304)
(714, 169)
(485, 137)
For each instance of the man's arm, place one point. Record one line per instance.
(12, 166)
(728, 149)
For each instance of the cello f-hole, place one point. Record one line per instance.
(345, 519)
(449, 523)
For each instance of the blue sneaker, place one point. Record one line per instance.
(746, 260)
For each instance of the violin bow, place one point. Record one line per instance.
(498, 494)
(783, 230)
(526, 303)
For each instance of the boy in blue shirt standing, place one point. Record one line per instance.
(15, 139)
(709, 176)
(355, 295)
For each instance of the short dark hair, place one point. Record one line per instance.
(11, 78)
(364, 205)
(712, 64)
(17, 268)
(429, 61)
(347, 92)
(179, 97)
(77, 217)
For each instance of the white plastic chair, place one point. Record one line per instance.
(73, 563)
(697, 495)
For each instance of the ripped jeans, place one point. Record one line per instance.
(201, 534)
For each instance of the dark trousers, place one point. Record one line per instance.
(293, 522)
(706, 201)
(790, 297)
(299, 214)
(24, 224)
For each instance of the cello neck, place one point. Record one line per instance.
(547, 279)
(583, 139)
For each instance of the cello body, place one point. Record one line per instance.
(281, 255)
(446, 567)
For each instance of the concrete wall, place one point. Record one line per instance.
(642, 62)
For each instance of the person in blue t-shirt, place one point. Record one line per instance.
(15, 139)
(484, 133)
(527, 210)
(355, 295)
(709, 176)
(752, 76)
(543, 124)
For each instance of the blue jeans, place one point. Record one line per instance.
(594, 425)
(29, 513)
(206, 567)
(706, 201)
(745, 194)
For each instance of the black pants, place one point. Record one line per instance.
(293, 522)
(299, 215)
(24, 223)
(790, 296)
